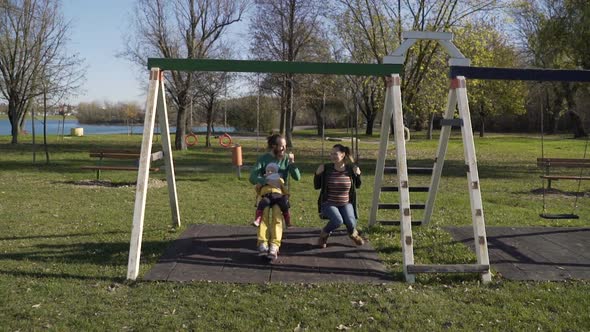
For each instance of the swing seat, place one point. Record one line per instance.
(559, 216)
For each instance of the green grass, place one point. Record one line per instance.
(64, 246)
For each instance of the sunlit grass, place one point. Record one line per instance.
(64, 246)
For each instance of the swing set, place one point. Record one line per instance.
(392, 112)
(547, 164)
(156, 104)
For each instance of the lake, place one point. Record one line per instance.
(90, 129)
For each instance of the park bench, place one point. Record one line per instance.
(548, 164)
(119, 154)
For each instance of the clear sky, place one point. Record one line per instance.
(97, 34)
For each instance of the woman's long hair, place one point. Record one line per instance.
(272, 140)
(348, 159)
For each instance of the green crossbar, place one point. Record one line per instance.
(251, 66)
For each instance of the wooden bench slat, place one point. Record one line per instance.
(117, 168)
(448, 268)
(563, 162)
(126, 155)
(564, 177)
(115, 155)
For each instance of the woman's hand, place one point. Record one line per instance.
(320, 169)
(356, 170)
(291, 158)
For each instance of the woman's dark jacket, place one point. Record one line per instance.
(321, 182)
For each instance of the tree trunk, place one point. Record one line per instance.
(284, 106)
(482, 121)
(319, 120)
(179, 143)
(482, 127)
(13, 116)
(370, 123)
(430, 126)
(576, 124)
(289, 113)
(209, 123)
(45, 146)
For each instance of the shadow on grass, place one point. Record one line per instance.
(75, 255)
(56, 236)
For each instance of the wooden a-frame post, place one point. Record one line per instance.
(156, 103)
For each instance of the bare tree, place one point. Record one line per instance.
(33, 57)
(284, 30)
(380, 22)
(209, 99)
(189, 29)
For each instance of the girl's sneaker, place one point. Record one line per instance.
(262, 250)
(256, 222)
(273, 252)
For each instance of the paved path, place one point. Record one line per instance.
(535, 253)
(227, 254)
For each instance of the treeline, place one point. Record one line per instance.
(109, 113)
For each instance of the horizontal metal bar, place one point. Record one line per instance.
(412, 189)
(514, 74)
(386, 206)
(411, 170)
(451, 122)
(397, 222)
(448, 268)
(433, 35)
(254, 66)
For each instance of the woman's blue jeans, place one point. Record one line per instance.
(339, 215)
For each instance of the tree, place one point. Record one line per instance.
(189, 29)
(379, 24)
(553, 34)
(33, 57)
(208, 99)
(284, 30)
(487, 47)
(351, 30)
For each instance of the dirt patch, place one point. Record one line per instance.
(153, 183)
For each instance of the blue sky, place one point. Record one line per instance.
(97, 35)
(97, 30)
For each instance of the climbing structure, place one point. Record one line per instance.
(457, 99)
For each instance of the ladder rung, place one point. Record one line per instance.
(397, 222)
(451, 122)
(383, 206)
(448, 268)
(411, 170)
(412, 189)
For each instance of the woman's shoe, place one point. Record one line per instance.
(356, 238)
(323, 240)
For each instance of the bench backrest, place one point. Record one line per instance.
(563, 162)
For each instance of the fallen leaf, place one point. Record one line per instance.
(299, 328)
(36, 305)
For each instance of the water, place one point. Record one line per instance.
(54, 125)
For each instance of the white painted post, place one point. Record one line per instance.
(381, 156)
(168, 160)
(439, 160)
(479, 231)
(143, 176)
(407, 242)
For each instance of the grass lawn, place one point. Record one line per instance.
(64, 245)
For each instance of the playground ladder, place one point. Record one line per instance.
(457, 99)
